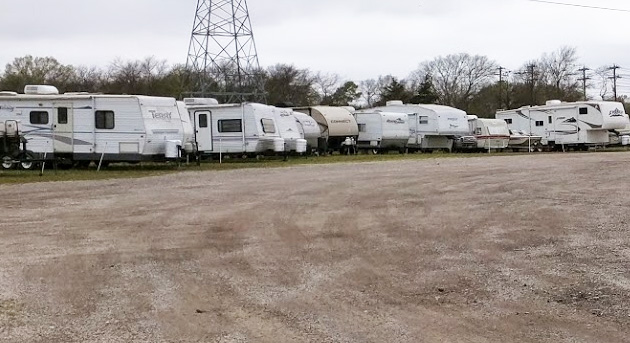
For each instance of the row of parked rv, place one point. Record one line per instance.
(77, 128)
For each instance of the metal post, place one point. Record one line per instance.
(100, 162)
(43, 164)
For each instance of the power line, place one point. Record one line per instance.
(581, 6)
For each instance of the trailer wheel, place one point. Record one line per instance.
(26, 161)
(7, 162)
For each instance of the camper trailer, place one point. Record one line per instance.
(190, 146)
(490, 134)
(309, 130)
(337, 126)
(431, 127)
(76, 128)
(290, 131)
(382, 131)
(568, 124)
(238, 129)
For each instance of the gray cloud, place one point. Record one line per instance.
(356, 38)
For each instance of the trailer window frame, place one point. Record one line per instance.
(104, 119)
(540, 123)
(508, 120)
(62, 115)
(583, 110)
(268, 125)
(39, 117)
(362, 127)
(203, 120)
(423, 120)
(230, 125)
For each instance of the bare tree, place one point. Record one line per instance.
(558, 68)
(370, 91)
(604, 83)
(326, 84)
(87, 79)
(457, 78)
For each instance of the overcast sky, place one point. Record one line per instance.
(357, 39)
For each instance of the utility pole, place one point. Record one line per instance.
(532, 74)
(614, 78)
(584, 79)
(501, 69)
(531, 71)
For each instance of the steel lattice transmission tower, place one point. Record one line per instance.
(222, 53)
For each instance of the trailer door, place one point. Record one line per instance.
(63, 141)
(413, 129)
(203, 130)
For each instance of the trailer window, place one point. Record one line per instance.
(550, 120)
(509, 120)
(203, 120)
(268, 126)
(104, 120)
(583, 110)
(361, 127)
(423, 120)
(62, 115)
(230, 125)
(39, 117)
(540, 123)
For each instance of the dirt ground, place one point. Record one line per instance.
(503, 249)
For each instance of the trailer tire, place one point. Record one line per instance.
(7, 162)
(26, 161)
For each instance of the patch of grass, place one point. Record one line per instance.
(123, 170)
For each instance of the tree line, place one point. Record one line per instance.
(472, 83)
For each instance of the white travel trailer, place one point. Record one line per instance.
(337, 126)
(76, 128)
(431, 127)
(572, 124)
(248, 128)
(309, 129)
(382, 131)
(290, 130)
(491, 133)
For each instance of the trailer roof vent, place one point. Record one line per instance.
(553, 102)
(8, 93)
(41, 90)
(201, 101)
(394, 103)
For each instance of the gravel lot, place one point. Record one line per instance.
(484, 249)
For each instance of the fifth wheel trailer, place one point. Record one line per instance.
(572, 124)
(83, 127)
(431, 127)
